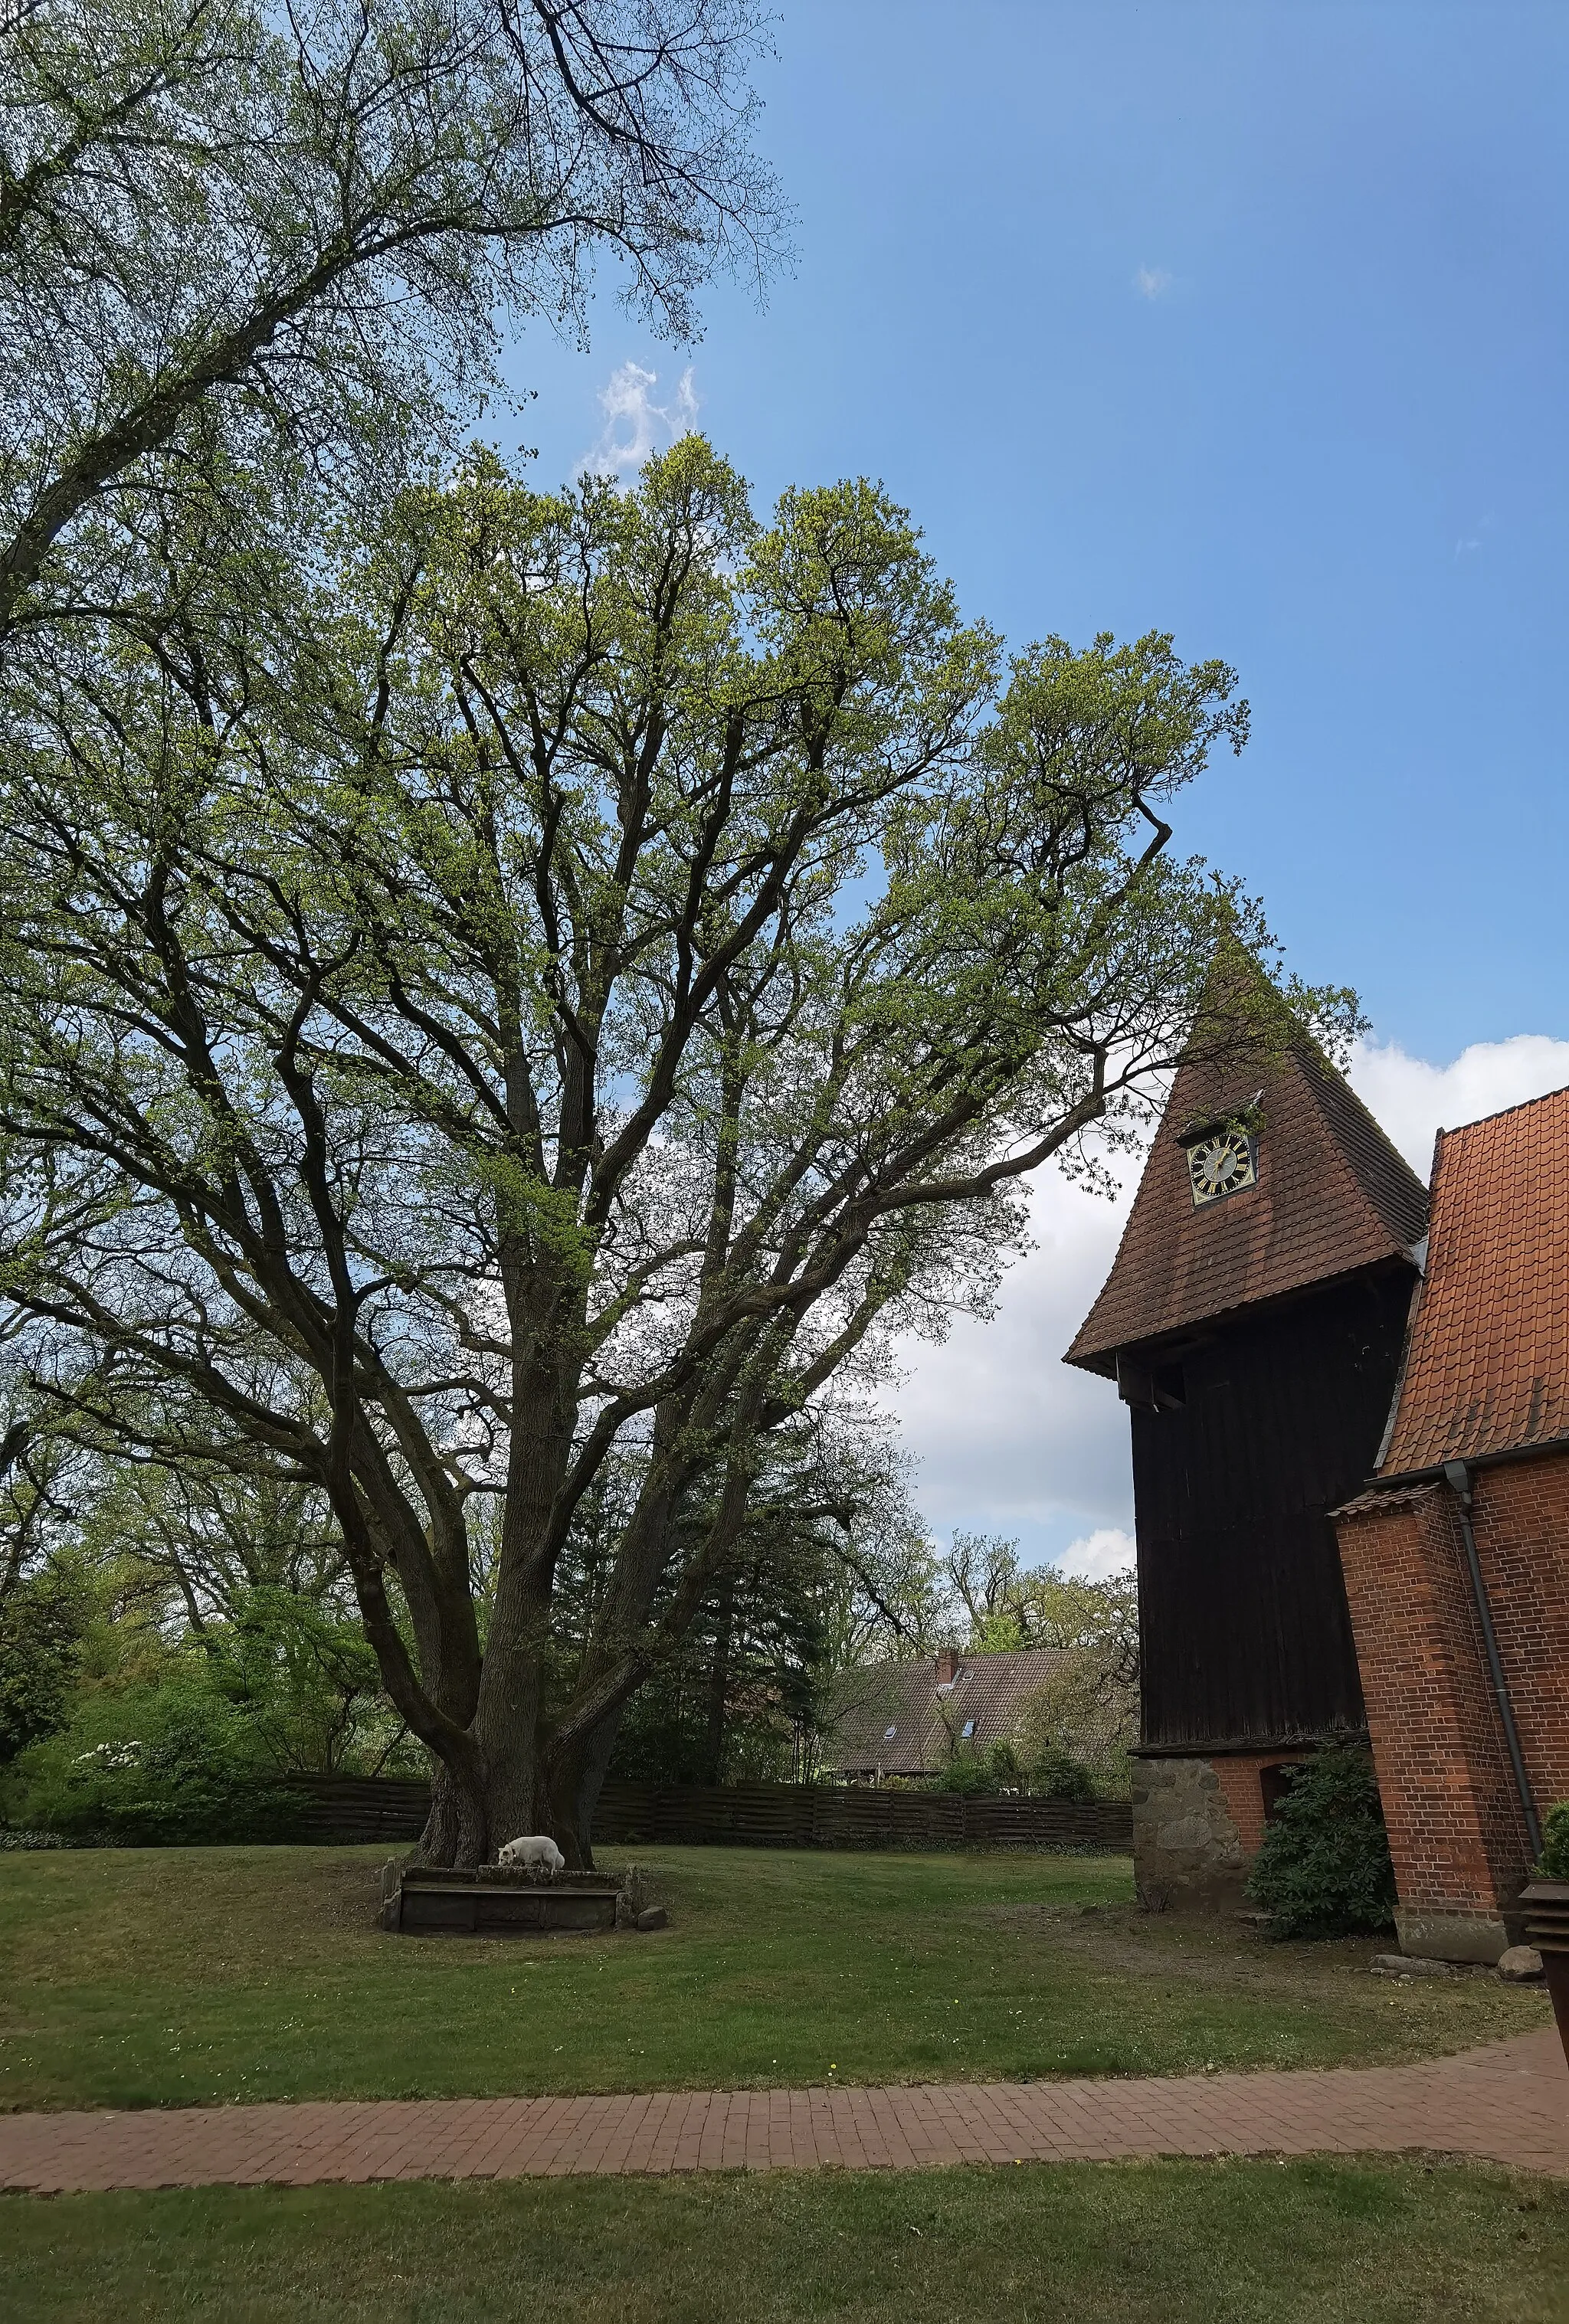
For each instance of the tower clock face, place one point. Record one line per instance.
(1221, 1164)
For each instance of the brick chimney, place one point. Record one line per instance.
(947, 1665)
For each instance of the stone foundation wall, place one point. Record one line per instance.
(1198, 1824)
(1186, 1848)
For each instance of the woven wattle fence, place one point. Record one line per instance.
(341, 1810)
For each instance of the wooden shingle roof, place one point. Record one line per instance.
(1332, 1197)
(1487, 1369)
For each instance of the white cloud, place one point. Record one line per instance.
(1106, 1551)
(1010, 1440)
(1152, 282)
(1414, 1100)
(634, 424)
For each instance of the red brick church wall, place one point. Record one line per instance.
(1457, 1833)
(1242, 1783)
(1521, 1522)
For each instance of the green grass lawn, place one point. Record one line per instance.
(155, 1977)
(1164, 2243)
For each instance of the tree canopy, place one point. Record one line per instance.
(305, 223)
(564, 979)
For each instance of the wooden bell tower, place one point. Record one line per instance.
(1254, 1322)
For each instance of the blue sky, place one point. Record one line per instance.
(1246, 322)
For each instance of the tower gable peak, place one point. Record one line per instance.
(1265, 1178)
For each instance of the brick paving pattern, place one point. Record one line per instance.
(1509, 2103)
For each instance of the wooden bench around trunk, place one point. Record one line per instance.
(416, 1902)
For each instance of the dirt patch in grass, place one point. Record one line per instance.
(1221, 1951)
(345, 1894)
(1226, 1953)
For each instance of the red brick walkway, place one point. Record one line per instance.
(1508, 2104)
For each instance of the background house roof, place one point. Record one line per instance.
(989, 1690)
(1487, 1369)
(1332, 1195)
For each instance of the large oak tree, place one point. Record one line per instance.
(559, 985)
(238, 239)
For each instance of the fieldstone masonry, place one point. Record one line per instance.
(1186, 1848)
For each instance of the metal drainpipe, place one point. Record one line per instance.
(1459, 1477)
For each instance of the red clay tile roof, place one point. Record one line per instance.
(1382, 1498)
(1332, 1195)
(990, 1690)
(1488, 1365)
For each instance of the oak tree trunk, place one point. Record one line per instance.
(507, 1798)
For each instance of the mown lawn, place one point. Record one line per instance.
(154, 1977)
(1341, 2242)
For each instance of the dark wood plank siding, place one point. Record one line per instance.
(1246, 1637)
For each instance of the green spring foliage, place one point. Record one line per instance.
(1555, 1863)
(1324, 1869)
(1055, 1775)
(174, 1765)
(43, 1620)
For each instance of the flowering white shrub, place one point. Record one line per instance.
(110, 1755)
